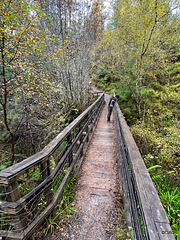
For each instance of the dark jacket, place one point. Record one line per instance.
(112, 102)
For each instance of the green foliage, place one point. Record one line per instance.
(28, 180)
(153, 167)
(51, 225)
(4, 163)
(127, 102)
(64, 208)
(68, 197)
(163, 147)
(170, 197)
(174, 72)
(123, 234)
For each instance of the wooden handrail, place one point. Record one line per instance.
(17, 169)
(19, 208)
(145, 213)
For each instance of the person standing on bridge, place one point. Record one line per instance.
(111, 105)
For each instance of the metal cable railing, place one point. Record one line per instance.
(146, 217)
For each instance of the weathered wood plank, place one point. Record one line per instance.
(10, 235)
(164, 231)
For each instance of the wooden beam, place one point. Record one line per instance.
(153, 210)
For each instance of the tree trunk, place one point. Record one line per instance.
(28, 124)
(4, 104)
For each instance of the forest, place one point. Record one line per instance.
(51, 50)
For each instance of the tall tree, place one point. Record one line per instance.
(72, 23)
(23, 59)
(135, 42)
(97, 19)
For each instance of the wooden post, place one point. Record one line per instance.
(87, 128)
(80, 140)
(19, 221)
(45, 170)
(69, 142)
(87, 132)
(91, 121)
(14, 191)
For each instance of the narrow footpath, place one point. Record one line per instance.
(97, 213)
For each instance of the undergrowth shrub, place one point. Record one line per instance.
(63, 210)
(164, 147)
(170, 197)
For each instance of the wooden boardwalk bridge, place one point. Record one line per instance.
(31, 189)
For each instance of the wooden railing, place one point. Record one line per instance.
(31, 189)
(145, 214)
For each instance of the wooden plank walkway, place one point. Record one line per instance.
(98, 182)
(97, 187)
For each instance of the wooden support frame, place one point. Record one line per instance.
(41, 160)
